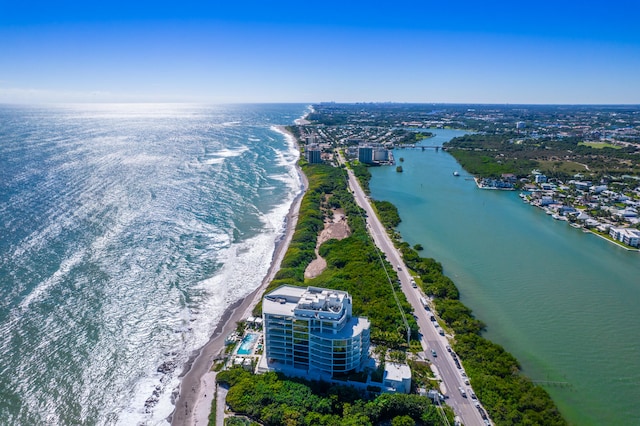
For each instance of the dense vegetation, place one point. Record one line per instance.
(388, 213)
(353, 264)
(510, 398)
(490, 155)
(489, 166)
(363, 174)
(272, 400)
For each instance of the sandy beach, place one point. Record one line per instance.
(197, 387)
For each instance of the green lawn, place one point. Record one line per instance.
(569, 167)
(599, 145)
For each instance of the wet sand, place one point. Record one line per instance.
(193, 402)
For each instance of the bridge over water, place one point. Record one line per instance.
(421, 147)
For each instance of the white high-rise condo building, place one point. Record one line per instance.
(312, 329)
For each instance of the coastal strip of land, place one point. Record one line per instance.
(197, 387)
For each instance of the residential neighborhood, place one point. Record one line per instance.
(607, 208)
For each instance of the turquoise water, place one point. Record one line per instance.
(562, 301)
(125, 232)
(246, 346)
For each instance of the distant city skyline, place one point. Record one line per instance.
(547, 52)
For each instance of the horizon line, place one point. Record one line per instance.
(314, 103)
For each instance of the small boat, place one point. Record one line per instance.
(456, 173)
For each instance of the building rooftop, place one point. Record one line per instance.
(396, 372)
(309, 302)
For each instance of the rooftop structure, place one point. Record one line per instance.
(397, 377)
(312, 329)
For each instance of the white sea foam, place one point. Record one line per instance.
(227, 153)
(245, 265)
(152, 248)
(219, 157)
(50, 282)
(212, 161)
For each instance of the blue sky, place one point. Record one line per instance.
(345, 51)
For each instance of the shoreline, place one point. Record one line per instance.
(193, 407)
(480, 186)
(597, 234)
(618, 243)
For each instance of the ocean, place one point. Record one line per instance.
(125, 232)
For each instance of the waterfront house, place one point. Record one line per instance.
(564, 210)
(546, 200)
(592, 223)
(628, 236)
(508, 177)
(582, 216)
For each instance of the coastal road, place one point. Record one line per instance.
(445, 367)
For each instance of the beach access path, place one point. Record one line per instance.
(193, 402)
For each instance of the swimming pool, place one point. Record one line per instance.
(246, 346)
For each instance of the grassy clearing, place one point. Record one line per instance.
(569, 167)
(599, 145)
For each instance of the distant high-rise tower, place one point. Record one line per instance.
(365, 154)
(380, 154)
(313, 154)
